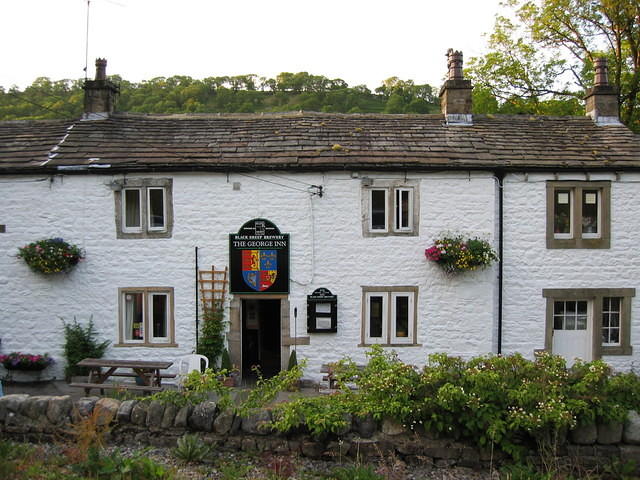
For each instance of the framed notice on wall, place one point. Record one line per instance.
(259, 258)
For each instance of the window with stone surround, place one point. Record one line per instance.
(146, 317)
(604, 311)
(578, 214)
(144, 208)
(390, 207)
(389, 315)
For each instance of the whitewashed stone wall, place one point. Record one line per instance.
(456, 315)
(529, 267)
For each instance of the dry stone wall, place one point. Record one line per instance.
(133, 422)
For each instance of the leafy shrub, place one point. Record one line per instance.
(355, 472)
(116, 466)
(80, 342)
(191, 449)
(267, 389)
(225, 361)
(211, 340)
(507, 401)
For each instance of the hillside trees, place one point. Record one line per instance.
(227, 94)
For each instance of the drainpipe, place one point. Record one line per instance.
(197, 320)
(500, 177)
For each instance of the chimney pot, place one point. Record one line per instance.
(99, 94)
(602, 98)
(602, 72)
(455, 94)
(101, 68)
(454, 63)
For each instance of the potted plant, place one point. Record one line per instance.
(229, 379)
(455, 254)
(26, 361)
(50, 255)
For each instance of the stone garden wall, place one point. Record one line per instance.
(133, 422)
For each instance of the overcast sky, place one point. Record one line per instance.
(360, 41)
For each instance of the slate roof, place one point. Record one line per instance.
(311, 141)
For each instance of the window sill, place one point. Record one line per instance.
(617, 350)
(147, 345)
(364, 345)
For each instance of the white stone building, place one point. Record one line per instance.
(152, 199)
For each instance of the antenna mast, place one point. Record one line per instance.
(86, 43)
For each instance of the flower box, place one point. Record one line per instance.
(51, 255)
(455, 254)
(25, 361)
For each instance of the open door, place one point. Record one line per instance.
(261, 331)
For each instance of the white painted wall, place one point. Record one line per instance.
(529, 266)
(456, 315)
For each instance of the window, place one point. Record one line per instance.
(144, 208)
(390, 208)
(603, 313)
(146, 317)
(578, 214)
(389, 315)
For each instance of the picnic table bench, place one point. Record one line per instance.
(147, 374)
(328, 368)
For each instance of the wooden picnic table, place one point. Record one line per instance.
(147, 374)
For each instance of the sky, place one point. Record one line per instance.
(359, 41)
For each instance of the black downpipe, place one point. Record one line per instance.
(500, 176)
(197, 312)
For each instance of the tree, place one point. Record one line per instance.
(547, 49)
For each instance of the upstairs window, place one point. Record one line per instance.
(389, 208)
(144, 209)
(578, 214)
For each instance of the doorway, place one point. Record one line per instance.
(572, 330)
(261, 332)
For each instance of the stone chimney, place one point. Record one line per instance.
(99, 94)
(602, 98)
(455, 94)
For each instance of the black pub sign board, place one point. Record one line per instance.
(259, 258)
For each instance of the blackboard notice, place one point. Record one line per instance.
(259, 258)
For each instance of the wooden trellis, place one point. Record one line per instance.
(213, 287)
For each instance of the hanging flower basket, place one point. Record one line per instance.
(455, 254)
(25, 361)
(51, 255)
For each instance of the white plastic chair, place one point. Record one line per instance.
(188, 364)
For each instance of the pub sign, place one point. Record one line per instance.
(259, 258)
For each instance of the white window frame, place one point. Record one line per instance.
(598, 234)
(620, 313)
(139, 228)
(150, 297)
(394, 333)
(163, 227)
(566, 236)
(148, 340)
(383, 337)
(397, 209)
(386, 210)
(389, 315)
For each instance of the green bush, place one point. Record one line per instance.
(211, 339)
(506, 401)
(191, 449)
(80, 342)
